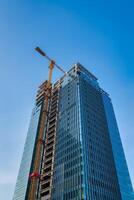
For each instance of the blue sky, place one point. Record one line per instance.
(98, 34)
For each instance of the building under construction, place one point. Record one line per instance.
(73, 149)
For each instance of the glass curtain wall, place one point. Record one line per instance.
(68, 176)
(100, 178)
(119, 157)
(23, 175)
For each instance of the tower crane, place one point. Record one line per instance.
(52, 63)
(35, 174)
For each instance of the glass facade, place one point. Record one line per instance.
(68, 176)
(119, 157)
(99, 169)
(87, 165)
(26, 162)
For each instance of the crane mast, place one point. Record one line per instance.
(35, 174)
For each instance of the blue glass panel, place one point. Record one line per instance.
(68, 179)
(119, 157)
(23, 175)
(100, 178)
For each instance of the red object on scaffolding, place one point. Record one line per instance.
(34, 175)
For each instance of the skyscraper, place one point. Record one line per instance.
(82, 155)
